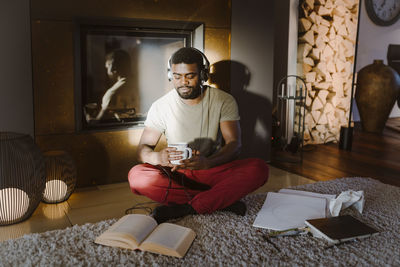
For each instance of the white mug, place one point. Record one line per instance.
(187, 152)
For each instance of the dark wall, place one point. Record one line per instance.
(252, 56)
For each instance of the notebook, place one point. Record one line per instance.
(340, 229)
(328, 197)
(282, 211)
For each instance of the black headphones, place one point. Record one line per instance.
(204, 72)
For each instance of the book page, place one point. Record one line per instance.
(169, 239)
(283, 211)
(117, 240)
(131, 229)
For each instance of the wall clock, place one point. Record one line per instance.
(383, 12)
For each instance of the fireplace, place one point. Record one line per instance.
(120, 68)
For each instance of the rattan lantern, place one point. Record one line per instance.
(21, 177)
(60, 176)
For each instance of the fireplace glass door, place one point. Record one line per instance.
(122, 71)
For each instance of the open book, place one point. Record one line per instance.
(339, 229)
(138, 231)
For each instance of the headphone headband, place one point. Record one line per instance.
(205, 68)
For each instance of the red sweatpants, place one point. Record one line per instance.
(229, 183)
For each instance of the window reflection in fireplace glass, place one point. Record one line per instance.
(122, 75)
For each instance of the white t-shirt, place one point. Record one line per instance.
(197, 125)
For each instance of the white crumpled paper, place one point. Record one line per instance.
(346, 199)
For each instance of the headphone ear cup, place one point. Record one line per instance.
(169, 74)
(204, 75)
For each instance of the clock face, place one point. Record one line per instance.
(383, 12)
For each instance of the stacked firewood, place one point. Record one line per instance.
(325, 56)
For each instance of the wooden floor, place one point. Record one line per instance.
(372, 155)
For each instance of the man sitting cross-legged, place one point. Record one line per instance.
(208, 120)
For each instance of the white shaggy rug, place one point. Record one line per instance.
(224, 239)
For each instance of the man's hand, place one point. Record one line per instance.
(166, 155)
(196, 162)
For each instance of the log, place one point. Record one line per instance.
(323, 11)
(351, 29)
(317, 104)
(310, 3)
(330, 66)
(309, 89)
(303, 50)
(340, 65)
(315, 53)
(324, 22)
(308, 61)
(329, 109)
(348, 67)
(316, 136)
(334, 100)
(340, 10)
(350, 4)
(308, 101)
(313, 18)
(322, 94)
(327, 53)
(342, 30)
(337, 21)
(321, 68)
(320, 43)
(329, 4)
(349, 48)
(309, 121)
(306, 136)
(306, 68)
(316, 114)
(322, 30)
(308, 37)
(304, 25)
(310, 77)
(323, 85)
(337, 84)
(321, 127)
(328, 77)
(332, 34)
(331, 138)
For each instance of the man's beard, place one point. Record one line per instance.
(192, 94)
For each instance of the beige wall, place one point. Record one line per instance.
(102, 157)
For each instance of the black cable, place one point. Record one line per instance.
(202, 103)
(184, 189)
(139, 206)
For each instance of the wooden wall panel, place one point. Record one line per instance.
(53, 77)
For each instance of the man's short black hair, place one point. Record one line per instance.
(188, 55)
